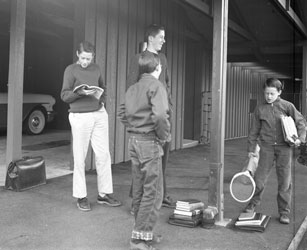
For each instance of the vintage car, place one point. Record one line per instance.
(37, 110)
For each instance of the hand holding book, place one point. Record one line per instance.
(85, 89)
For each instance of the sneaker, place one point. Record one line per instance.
(250, 208)
(141, 245)
(109, 200)
(83, 204)
(156, 239)
(132, 211)
(284, 219)
(168, 202)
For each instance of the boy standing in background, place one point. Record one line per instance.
(155, 38)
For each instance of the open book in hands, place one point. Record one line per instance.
(89, 90)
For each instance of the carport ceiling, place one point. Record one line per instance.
(260, 31)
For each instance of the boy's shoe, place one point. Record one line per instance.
(83, 204)
(109, 200)
(141, 245)
(284, 219)
(132, 211)
(156, 239)
(168, 202)
(250, 208)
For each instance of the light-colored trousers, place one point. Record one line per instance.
(91, 127)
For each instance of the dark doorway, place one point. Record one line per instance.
(193, 95)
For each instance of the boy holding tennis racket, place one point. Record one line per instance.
(267, 129)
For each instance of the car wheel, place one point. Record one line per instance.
(35, 122)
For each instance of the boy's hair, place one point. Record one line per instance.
(86, 46)
(148, 62)
(273, 83)
(152, 30)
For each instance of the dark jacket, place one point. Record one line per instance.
(146, 108)
(266, 123)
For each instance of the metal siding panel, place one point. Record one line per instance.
(156, 13)
(232, 103)
(149, 10)
(245, 94)
(197, 95)
(237, 121)
(121, 78)
(164, 16)
(141, 21)
(174, 77)
(180, 94)
(111, 66)
(131, 51)
(90, 21)
(241, 100)
(113, 45)
(227, 103)
(230, 98)
(101, 35)
(168, 48)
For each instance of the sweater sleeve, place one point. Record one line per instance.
(159, 102)
(67, 94)
(254, 131)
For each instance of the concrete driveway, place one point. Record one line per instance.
(46, 217)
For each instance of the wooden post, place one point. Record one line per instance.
(219, 66)
(304, 82)
(15, 80)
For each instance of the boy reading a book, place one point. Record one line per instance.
(267, 128)
(89, 124)
(146, 115)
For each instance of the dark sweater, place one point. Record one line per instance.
(266, 123)
(75, 75)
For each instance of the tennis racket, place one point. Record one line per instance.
(242, 186)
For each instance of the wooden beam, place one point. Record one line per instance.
(15, 80)
(219, 67)
(205, 8)
(239, 30)
(255, 48)
(292, 16)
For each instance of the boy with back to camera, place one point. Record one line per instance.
(266, 126)
(146, 116)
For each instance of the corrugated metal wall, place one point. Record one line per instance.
(116, 27)
(242, 86)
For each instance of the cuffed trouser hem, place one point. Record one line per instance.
(141, 235)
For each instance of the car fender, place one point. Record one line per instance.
(29, 107)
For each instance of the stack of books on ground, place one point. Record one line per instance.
(252, 221)
(188, 213)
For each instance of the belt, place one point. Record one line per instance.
(149, 135)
